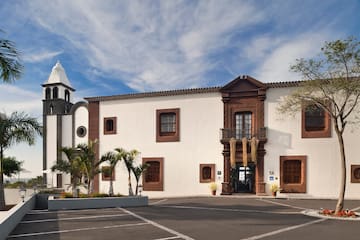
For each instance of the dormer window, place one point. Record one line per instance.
(55, 92)
(47, 93)
(67, 96)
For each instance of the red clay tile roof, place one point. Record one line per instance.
(155, 94)
(181, 92)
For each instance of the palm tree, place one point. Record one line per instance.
(72, 166)
(113, 159)
(18, 127)
(138, 171)
(91, 165)
(10, 64)
(11, 166)
(128, 158)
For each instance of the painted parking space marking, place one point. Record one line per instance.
(73, 218)
(281, 204)
(179, 235)
(77, 230)
(35, 212)
(227, 209)
(284, 230)
(158, 202)
(355, 209)
(168, 238)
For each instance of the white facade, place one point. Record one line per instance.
(323, 155)
(201, 118)
(202, 113)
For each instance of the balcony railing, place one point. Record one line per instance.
(227, 133)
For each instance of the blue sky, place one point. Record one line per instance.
(113, 47)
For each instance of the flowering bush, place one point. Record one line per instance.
(213, 186)
(274, 187)
(342, 213)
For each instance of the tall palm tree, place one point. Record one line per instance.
(10, 64)
(16, 128)
(128, 158)
(138, 171)
(72, 166)
(113, 160)
(91, 165)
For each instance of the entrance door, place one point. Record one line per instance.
(59, 180)
(243, 178)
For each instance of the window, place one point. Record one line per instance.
(207, 173)
(243, 125)
(153, 176)
(67, 95)
(315, 122)
(51, 109)
(355, 173)
(55, 93)
(81, 131)
(110, 125)
(292, 171)
(167, 125)
(47, 93)
(105, 174)
(293, 174)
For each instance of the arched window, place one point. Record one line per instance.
(67, 95)
(51, 109)
(47, 93)
(55, 92)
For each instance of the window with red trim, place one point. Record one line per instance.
(168, 125)
(153, 177)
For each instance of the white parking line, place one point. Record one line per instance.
(180, 235)
(283, 230)
(35, 212)
(76, 230)
(73, 218)
(282, 204)
(157, 202)
(228, 209)
(355, 209)
(168, 238)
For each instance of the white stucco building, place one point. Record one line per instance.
(184, 136)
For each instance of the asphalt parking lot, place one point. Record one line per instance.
(192, 218)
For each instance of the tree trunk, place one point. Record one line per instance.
(91, 186)
(74, 190)
(137, 187)
(131, 193)
(340, 202)
(111, 189)
(2, 194)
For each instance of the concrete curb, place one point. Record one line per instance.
(14, 216)
(315, 213)
(87, 203)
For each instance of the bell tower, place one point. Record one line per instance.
(57, 102)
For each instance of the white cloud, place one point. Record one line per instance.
(13, 99)
(150, 45)
(40, 56)
(276, 63)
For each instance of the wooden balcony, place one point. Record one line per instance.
(227, 133)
